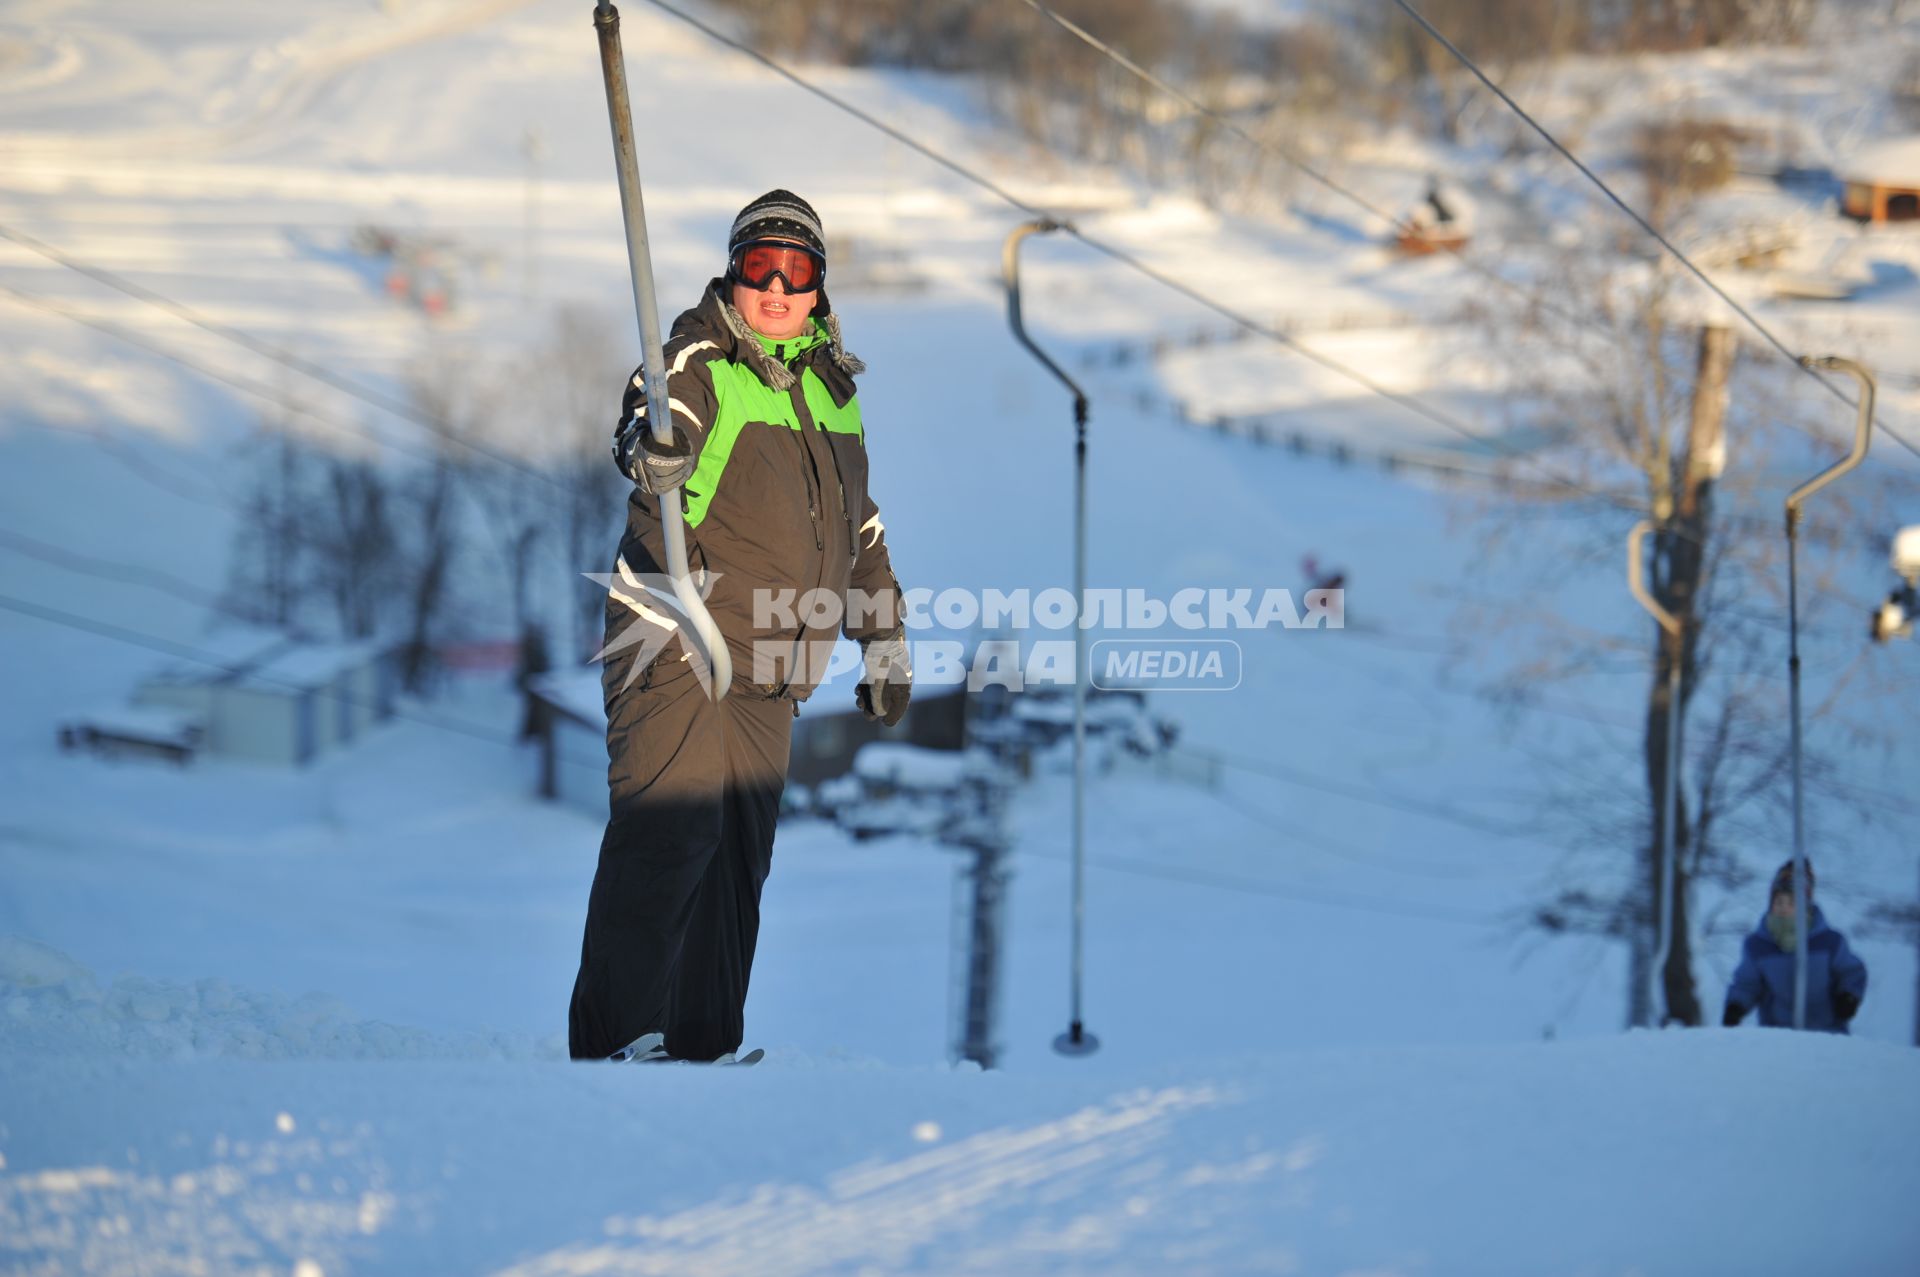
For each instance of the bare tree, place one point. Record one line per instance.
(1695, 24)
(353, 543)
(371, 547)
(427, 515)
(1633, 413)
(597, 503)
(573, 384)
(269, 563)
(1500, 35)
(1071, 98)
(1681, 159)
(429, 549)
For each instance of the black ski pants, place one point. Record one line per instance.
(675, 906)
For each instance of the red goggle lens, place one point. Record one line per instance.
(755, 265)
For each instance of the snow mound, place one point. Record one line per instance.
(911, 766)
(29, 964)
(52, 1005)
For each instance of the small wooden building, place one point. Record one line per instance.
(1883, 182)
(276, 699)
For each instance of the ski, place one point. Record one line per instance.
(643, 1049)
(651, 1050)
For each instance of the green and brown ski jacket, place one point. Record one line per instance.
(777, 505)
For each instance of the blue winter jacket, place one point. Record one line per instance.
(1764, 980)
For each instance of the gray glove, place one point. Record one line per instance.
(654, 466)
(884, 692)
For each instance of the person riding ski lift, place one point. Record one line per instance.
(769, 449)
(1836, 977)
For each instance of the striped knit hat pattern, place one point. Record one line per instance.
(779, 215)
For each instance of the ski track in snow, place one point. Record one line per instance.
(1469, 1160)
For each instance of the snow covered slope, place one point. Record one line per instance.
(1652, 1154)
(309, 1022)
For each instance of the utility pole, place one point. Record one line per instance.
(1705, 462)
(980, 914)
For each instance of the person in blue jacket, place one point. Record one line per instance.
(1836, 978)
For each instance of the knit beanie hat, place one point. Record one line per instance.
(782, 215)
(1783, 881)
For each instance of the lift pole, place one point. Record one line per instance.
(1862, 436)
(705, 642)
(1076, 1040)
(1676, 631)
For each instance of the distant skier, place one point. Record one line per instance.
(1318, 579)
(1836, 978)
(1330, 584)
(769, 444)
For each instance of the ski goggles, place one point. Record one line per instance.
(756, 262)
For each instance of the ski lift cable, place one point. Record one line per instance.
(237, 382)
(1412, 404)
(145, 577)
(1401, 225)
(182, 651)
(199, 490)
(1361, 794)
(168, 647)
(1257, 887)
(1408, 402)
(152, 642)
(267, 350)
(148, 473)
(1798, 361)
(103, 570)
(1318, 841)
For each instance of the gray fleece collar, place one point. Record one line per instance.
(770, 370)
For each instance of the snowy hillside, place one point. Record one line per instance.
(1528, 1159)
(312, 1021)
